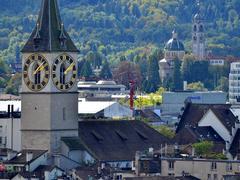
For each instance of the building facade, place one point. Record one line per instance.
(49, 89)
(198, 37)
(234, 83)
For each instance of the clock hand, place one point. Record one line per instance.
(69, 68)
(40, 68)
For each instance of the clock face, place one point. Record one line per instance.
(64, 72)
(36, 72)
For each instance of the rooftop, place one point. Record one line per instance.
(21, 157)
(49, 34)
(118, 140)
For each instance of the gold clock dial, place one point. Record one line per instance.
(36, 72)
(64, 72)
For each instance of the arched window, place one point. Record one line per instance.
(201, 28)
(195, 28)
(62, 75)
(37, 75)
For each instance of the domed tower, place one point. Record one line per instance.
(198, 38)
(173, 49)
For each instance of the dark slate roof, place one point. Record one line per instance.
(21, 156)
(40, 170)
(73, 143)
(193, 113)
(27, 175)
(149, 114)
(190, 135)
(174, 45)
(49, 34)
(234, 149)
(118, 140)
(7, 175)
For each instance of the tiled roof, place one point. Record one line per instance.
(49, 34)
(193, 113)
(118, 140)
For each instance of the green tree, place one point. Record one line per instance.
(153, 73)
(14, 84)
(106, 72)
(165, 131)
(177, 77)
(86, 70)
(196, 86)
(203, 148)
(222, 84)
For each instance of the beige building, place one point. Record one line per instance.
(203, 169)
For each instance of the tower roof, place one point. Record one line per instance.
(49, 34)
(174, 44)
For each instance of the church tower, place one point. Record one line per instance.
(49, 89)
(198, 38)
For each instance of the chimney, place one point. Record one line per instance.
(137, 163)
(150, 150)
(46, 174)
(185, 85)
(29, 156)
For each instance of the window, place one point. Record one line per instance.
(37, 74)
(213, 166)
(215, 177)
(229, 167)
(209, 177)
(171, 165)
(195, 28)
(1, 142)
(64, 114)
(62, 74)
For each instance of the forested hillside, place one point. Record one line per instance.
(116, 29)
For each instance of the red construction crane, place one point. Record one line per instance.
(132, 88)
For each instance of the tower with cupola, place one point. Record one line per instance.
(198, 37)
(174, 49)
(49, 90)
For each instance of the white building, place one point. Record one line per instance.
(100, 88)
(10, 125)
(234, 83)
(103, 109)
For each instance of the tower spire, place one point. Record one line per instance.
(49, 32)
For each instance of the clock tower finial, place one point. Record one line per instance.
(46, 37)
